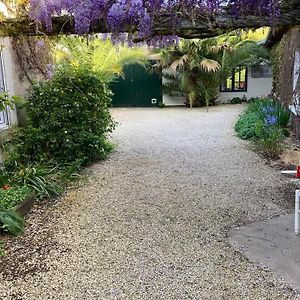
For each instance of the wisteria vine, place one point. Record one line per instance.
(137, 16)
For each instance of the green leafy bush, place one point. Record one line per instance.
(264, 107)
(265, 121)
(246, 125)
(68, 120)
(236, 100)
(270, 141)
(43, 180)
(13, 196)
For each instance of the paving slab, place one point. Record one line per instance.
(271, 244)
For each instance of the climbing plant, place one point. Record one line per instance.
(156, 21)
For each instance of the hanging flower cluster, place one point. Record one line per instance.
(137, 16)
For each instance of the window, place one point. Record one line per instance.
(3, 114)
(3, 119)
(261, 71)
(237, 82)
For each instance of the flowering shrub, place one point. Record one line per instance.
(268, 110)
(271, 120)
(265, 122)
(269, 140)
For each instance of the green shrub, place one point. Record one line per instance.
(269, 143)
(264, 121)
(246, 125)
(13, 196)
(264, 107)
(68, 120)
(11, 221)
(253, 99)
(43, 180)
(236, 100)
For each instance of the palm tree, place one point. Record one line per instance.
(98, 56)
(199, 66)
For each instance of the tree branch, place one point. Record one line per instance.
(201, 27)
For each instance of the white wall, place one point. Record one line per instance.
(13, 84)
(173, 101)
(256, 87)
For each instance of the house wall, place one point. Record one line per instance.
(173, 101)
(11, 78)
(13, 86)
(256, 87)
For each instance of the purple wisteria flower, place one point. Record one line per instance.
(40, 44)
(50, 71)
(139, 16)
(271, 120)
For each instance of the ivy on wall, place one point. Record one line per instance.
(276, 58)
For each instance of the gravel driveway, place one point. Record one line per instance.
(152, 221)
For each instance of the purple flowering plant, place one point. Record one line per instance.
(269, 109)
(271, 120)
(138, 16)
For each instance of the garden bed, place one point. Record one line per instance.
(25, 206)
(265, 124)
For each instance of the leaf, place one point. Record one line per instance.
(210, 65)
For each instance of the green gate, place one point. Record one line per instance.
(139, 88)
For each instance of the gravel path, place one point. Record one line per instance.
(152, 221)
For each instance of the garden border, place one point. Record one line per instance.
(25, 206)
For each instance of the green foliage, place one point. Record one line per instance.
(258, 35)
(68, 120)
(236, 100)
(11, 221)
(262, 107)
(276, 57)
(253, 99)
(247, 124)
(13, 196)
(98, 57)
(264, 122)
(68, 123)
(8, 101)
(269, 141)
(44, 180)
(199, 66)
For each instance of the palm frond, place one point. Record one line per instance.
(179, 63)
(101, 57)
(210, 65)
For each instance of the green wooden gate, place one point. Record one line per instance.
(139, 88)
